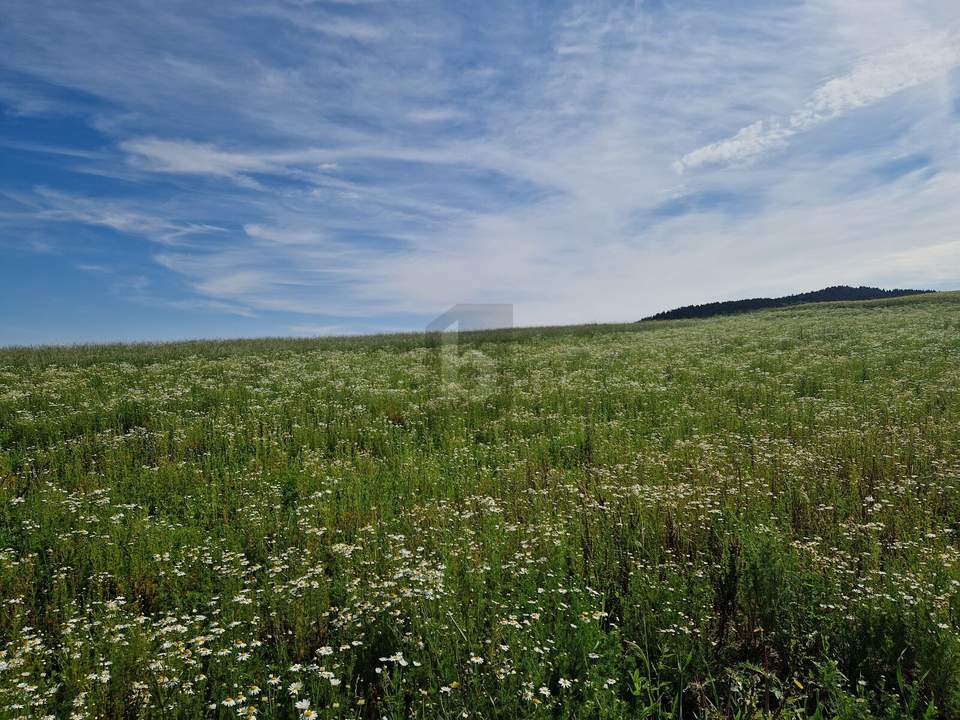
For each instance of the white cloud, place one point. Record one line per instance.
(26, 102)
(285, 237)
(233, 284)
(44, 205)
(33, 147)
(352, 29)
(192, 158)
(438, 114)
(871, 81)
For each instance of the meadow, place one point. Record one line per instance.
(741, 517)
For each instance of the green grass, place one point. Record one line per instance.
(748, 516)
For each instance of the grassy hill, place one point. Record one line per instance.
(747, 516)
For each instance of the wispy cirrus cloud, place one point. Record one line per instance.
(44, 205)
(193, 158)
(93, 268)
(436, 114)
(872, 80)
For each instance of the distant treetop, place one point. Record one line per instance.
(733, 307)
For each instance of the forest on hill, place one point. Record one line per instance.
(733, 307)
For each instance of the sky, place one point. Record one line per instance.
(226, 169)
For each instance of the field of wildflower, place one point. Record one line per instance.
(750, 516)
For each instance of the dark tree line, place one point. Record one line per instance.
(732, 307)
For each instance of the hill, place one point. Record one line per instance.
(753, 516)
(733, 307)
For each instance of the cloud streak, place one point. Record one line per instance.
(871, 81)
(45, 205)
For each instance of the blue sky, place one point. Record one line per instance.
(234, 168)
